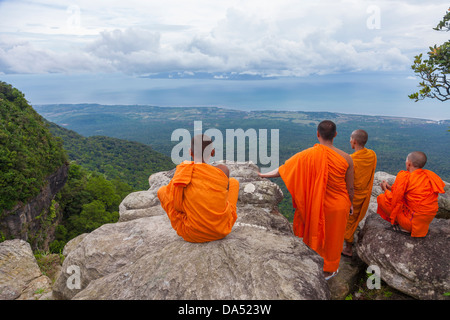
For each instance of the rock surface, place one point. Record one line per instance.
(32, 221)
(20, 276)
(346, 281)
(142, 257)
(418, 267)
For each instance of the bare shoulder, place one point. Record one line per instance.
(346, 156)
(224, 168)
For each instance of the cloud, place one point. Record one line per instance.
(125, 42)
(290, 38)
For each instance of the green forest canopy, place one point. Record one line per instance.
(28, 151)
(128, 161)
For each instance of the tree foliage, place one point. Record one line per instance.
(103, 171)
(28, 151)
(117, 159)
(88, 200)
(434, 71)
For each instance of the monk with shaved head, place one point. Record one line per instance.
(201, 199)
(364, 162)
(320, 180)
(411, 203)
(418, 159)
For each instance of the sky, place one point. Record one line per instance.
(50, 49)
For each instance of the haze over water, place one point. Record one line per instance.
(368, 94)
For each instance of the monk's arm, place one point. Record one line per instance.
(224, 168)
(271, 174)
(349, 179)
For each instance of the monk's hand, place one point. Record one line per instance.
(271, 174)
(351, 210)
(385, 186)
(264, 175)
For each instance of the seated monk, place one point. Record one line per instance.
(411, 203)
(320, 180)
(364, 163)
(201, 199)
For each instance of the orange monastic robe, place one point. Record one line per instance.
(413, 201)
(315, 178)
(364, 163)
(200, 202)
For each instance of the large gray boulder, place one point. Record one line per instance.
(417, 267)
(142, 257)
(20, 276)
(145, 259)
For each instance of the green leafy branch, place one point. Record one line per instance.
(435, 70)
(444, 23)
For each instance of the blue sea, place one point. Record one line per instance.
(379, 93)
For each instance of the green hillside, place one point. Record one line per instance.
(28, 151)
(102, 173)
(130, 162)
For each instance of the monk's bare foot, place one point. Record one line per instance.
(347, 251)
(399, 229)
(329, 275)
(404, 231)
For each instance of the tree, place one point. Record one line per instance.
(104, 191)
(88, 200)
(92, 216)
(434, 71)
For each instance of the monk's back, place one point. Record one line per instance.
(420, 193)
(200, 202)
(207, 192)
(337, 168)
(336, 206)
(364, 162)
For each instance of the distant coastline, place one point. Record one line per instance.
(119, 108)
(383, 93)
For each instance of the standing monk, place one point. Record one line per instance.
(320, 180)
(364, 162)
(411, 203)
(201, 199)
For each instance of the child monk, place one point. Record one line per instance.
(411, 203)
(364, 163)
(201, 199)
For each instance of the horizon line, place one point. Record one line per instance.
(237, 109)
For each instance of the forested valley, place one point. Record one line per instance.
(112, 150)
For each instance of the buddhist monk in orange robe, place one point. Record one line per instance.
(411, 202)
(320, 180)
(364, 162)
(201, 199)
